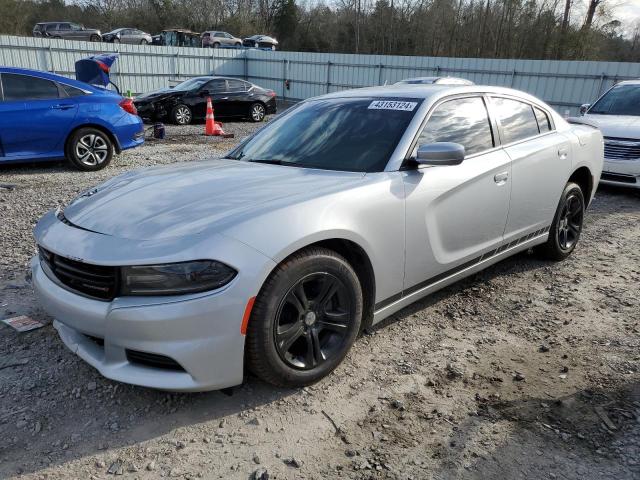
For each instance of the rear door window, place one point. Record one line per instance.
(464, 121)
(516, 118)
(23, 87)
(237, 86)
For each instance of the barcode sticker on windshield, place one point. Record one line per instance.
(392, 105)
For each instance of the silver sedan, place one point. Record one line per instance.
(337, 214)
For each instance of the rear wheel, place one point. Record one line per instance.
(305, 319)
(216, 44)
(94, 38)
(257, 112)
(567, 224)
(89, 149)
(181, 115)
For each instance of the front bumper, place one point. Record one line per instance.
(621, 173)
(200, 332)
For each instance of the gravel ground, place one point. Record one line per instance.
(529, 369)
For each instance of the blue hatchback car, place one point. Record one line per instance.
(50, 117)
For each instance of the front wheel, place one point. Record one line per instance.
(89, 149)
(257, 112)
(181, 115)
(567, 224)
(94, 38)
(305, 319)
(144, 42)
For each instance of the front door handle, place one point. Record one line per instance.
(62, 106)
(224, 98)
(501, 178)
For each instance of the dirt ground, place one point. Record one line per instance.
(528, 370)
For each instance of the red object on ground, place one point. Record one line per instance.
(211, 127)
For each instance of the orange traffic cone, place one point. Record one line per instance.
(212, 127)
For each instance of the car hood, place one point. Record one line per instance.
(190, 199)
(620, 126)
(157, 94)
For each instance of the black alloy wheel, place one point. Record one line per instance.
(313, 320)
(567, 224)
(305, 318)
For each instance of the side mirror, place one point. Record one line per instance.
(440, 153)
(584, 107)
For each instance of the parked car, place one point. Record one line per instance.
(435, 80)
(187, 101)
(216, 39)
(128, 35)
(66, 30)
(260, 41)
(49, 117)
(338, 213)
(617, 115)
(177, 37)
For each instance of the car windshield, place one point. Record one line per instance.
(191, 84)
(346, 134)
(620, 100)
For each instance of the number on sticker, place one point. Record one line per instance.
(392, 105)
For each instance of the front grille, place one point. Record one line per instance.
(621, 148)
(618, 177)
(153, 360)
(93, 281)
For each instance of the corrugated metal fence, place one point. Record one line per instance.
(563, 84)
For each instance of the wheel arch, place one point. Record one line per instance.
(102, 128)
(583, 177)
(358, 258)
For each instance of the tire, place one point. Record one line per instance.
(94, 38)
(238, 44)
(257, 112)
(89, 149)
(144, 42)
(181, 115)
(216, 44)
(295, 339)
(567, 225)
(115, 40)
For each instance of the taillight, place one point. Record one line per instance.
(127, 105)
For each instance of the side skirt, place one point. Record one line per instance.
(397, 302)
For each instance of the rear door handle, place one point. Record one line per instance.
(62, 106)
(501, 178)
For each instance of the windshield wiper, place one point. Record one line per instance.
(270, 161)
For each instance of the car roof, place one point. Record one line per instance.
(428, 91)
(51, 76)
(635, 81)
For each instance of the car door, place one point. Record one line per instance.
(220, 97)
(38, 116)
(129, 36)
(239, 99)
(455, 214)
(540, 159)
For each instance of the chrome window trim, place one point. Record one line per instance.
(527, 102)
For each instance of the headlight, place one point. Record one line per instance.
(175, 278)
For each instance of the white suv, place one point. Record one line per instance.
(617, 114)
